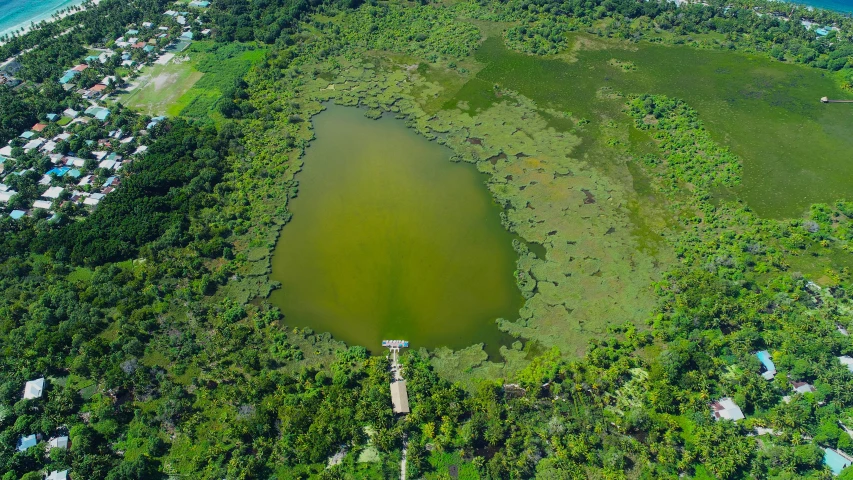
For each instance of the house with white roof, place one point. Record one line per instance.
(7, 195)
(75, 161)
(58, 442)
(53, 192)
(6, 151)
(726, 409)
(33, 389)
(846, 361)
(42, 204)
(57, 475)
(33, 144)
(803, 387)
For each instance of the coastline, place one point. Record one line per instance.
(26, 21)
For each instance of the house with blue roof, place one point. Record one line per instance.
(148, 48)
(187, 36)
(154, 121)
(26, 442)
(100, 113)
(52, 116)
(17, 214)
(836, 460)
(59, 171)
(69, 75)
(767, 363)
(28, 135)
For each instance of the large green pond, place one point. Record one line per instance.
(795, 150)
(389, 239)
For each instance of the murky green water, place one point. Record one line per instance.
(389, 239)
(796, 151)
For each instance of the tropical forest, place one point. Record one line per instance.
(427, 239)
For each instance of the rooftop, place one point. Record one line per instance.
(726, 409)
(836, 460)
(33, 388)
(399, 397)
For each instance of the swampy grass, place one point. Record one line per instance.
(795, 150)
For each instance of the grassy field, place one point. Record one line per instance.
(192, 83)
(160, 86)
(222, 67)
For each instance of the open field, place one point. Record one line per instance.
(160, 86)
(222, 67)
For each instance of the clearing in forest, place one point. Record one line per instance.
(160, 86)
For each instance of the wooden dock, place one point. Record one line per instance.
(399, 395)
(827, 100)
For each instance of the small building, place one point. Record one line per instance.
(39, 127)
(846, 361)
(80, 68)
(57, 475)
(70, 112)
(33, 388)
(100, 113)
(131, 33)
(17, 214)
(58, 171)
(200, 3)
(69, 75)
(148, 48)
(6, 151)
(52, 192)
(726, 409)
(836, 460)
(52, 117)
(44, 204)
(75, 161)
(95, 91)
(803, 387)
(26, 135)
(399, 397)
(767, 363)
(187, 36)
(26, 442)
(7, 195)
(58, 442)
(33, 144)
(108, 164)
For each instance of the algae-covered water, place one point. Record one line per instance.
(391, 240)
(795, 150)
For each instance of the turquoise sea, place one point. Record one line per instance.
(838, 5)
(15, 14)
